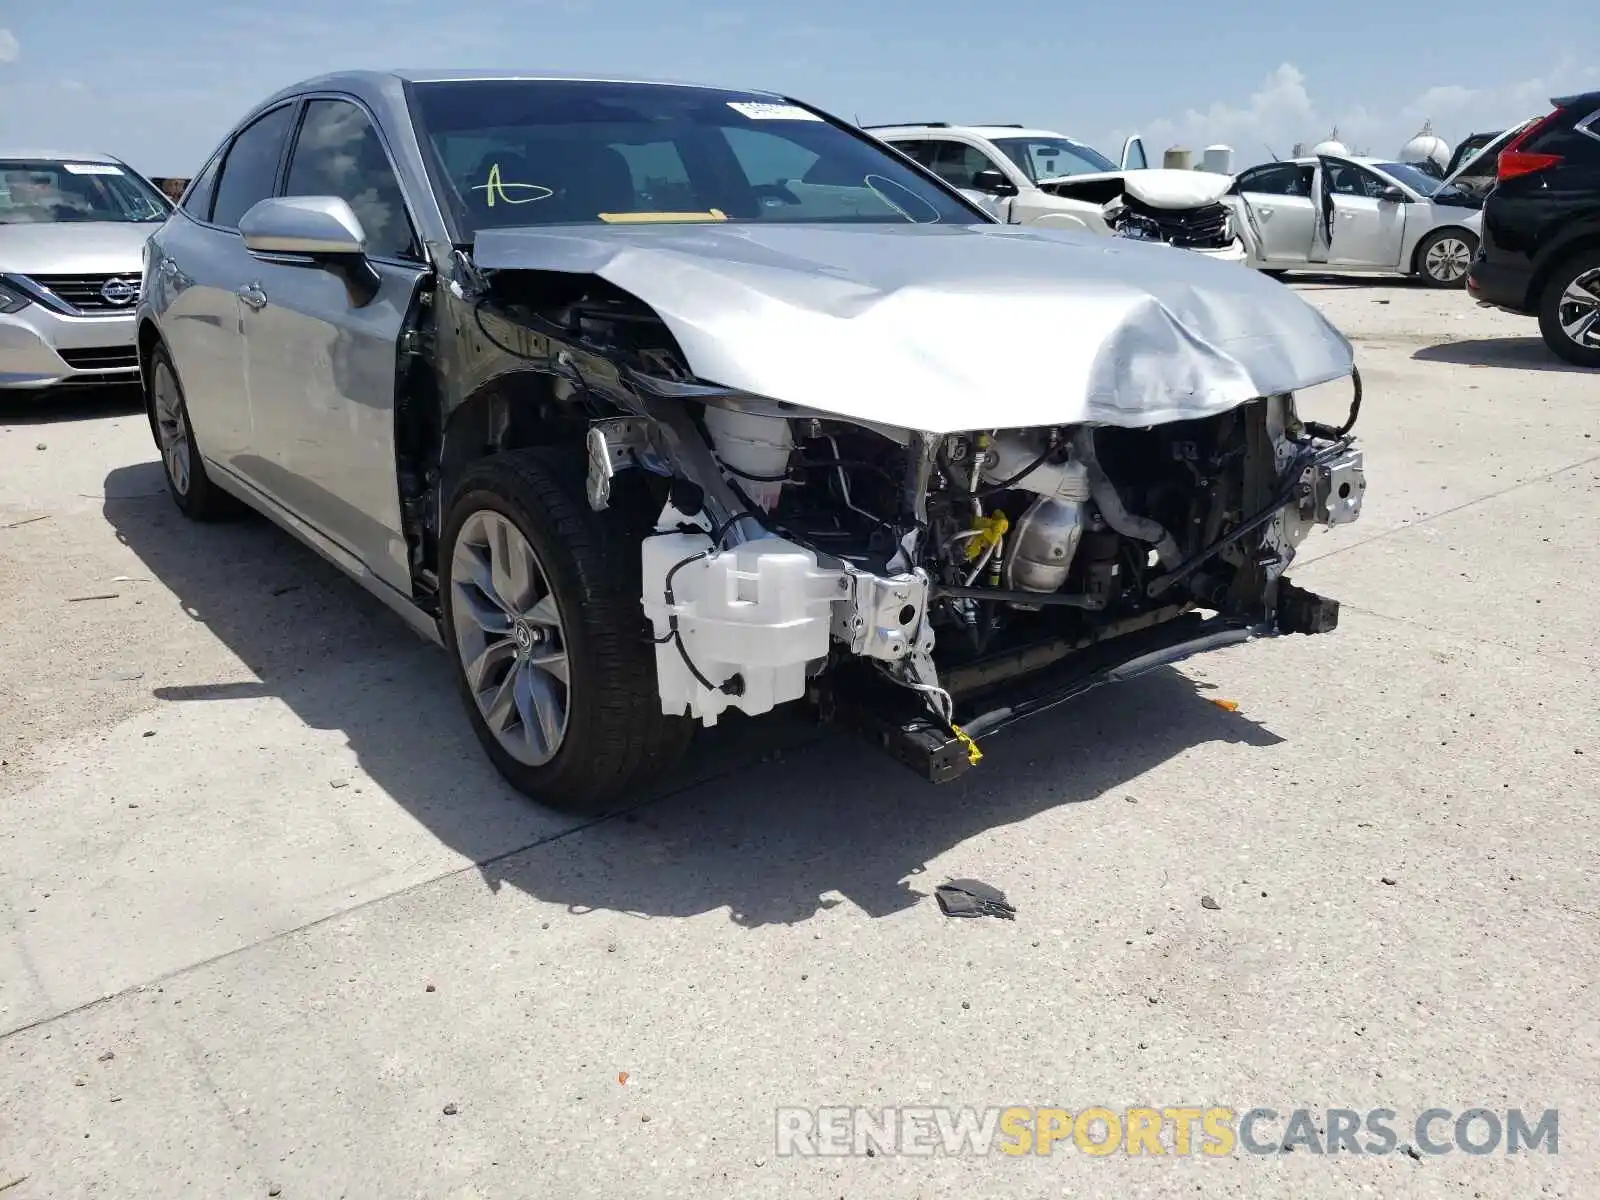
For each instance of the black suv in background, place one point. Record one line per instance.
(1540, 252)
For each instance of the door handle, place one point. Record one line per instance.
(1266, 214)
(253, 296)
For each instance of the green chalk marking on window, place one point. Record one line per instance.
(497, 189)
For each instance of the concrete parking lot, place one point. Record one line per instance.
(272, 926)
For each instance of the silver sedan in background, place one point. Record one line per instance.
(1357, 215)
(72, 234)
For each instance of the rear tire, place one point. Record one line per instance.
(1569, 310)
(191, 488)
(554, 657)
(1444, 256)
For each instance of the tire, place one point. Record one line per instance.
(1564, 306)
(579, 744)
(1443, 257)
(190, 487)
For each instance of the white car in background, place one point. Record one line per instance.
(1357, 215)
(1039, 177)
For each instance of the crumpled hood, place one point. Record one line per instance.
(947, 328)
(75, 247)
(1159, 187)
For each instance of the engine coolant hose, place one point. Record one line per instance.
(1141, 529)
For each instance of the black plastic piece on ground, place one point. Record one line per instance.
(971, 898)
(1301, 611)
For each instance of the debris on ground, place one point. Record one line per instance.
(1388, 881)
(970, 898)
(97, 596)
(108, 1056)
(26, 521)
(1226, 705)
(622, 1078)
(450, 1110)
(1208, 902)
(430, 988)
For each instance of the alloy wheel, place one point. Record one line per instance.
(1578, 310)
(172, 429)
(1447, 260)
(510, 638)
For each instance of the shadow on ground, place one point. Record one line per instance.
(1329, 281)
(68, 404)
(767, 819)
(1517, 353)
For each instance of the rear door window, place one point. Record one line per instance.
(201, 192)
(250, 172)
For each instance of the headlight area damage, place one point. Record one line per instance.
(926, 587)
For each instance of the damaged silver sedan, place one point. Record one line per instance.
(657, 401)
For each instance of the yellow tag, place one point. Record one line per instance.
(974, 755)
(994, 528)
(642, 218)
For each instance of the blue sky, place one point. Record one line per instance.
(159, 83)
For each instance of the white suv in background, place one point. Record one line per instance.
(72, 235)
(1039, 177)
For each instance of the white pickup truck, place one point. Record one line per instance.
(1038, 177)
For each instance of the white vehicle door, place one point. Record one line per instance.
(1133, 156)
(1364, 215)
(986, 180)
(1278, 213)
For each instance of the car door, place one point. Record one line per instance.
(198, 270)
(1278, 213)
(321, 356)
(1134, 157)
(1364, 222)
(958, 164)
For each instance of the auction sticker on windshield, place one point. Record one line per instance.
(92, 169)
(758, 111)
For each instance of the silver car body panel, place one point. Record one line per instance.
(921, 326)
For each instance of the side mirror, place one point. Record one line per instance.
(993, 183)
(321, 229)
(1392, 195)
(318, 227)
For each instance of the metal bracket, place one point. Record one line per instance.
(883, 617)
(614, 444)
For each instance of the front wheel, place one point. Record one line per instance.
(1569, 310)
(542, 614)
(192, 490)
(1444, 256)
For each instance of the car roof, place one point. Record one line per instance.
(1577, 100)
(90, 156)
(368, 82)
(983, 131)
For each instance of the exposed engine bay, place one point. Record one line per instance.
(896, 578)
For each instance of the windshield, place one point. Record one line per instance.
(1416, 180)
(557, 152)
(42, 192)
(1053, 158)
